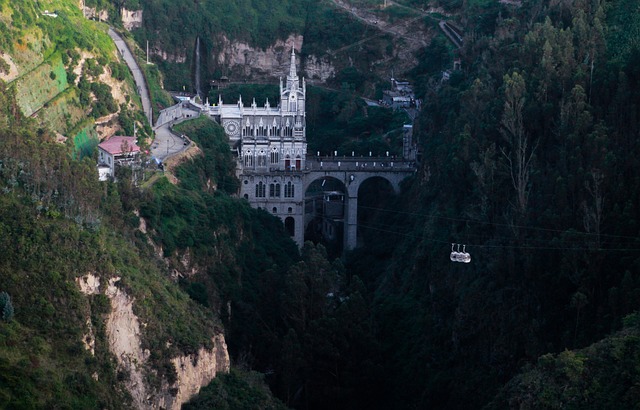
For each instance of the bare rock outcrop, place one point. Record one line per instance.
(124, 338)
(131, 18)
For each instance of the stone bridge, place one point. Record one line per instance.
(352, 172)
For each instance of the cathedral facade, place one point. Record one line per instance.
(271, 146)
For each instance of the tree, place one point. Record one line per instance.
(6, 306)
(519, 155)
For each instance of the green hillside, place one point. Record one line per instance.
(56, 54)
(58, 224)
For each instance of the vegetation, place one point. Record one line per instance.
(59, 223)
(236, 390)
(529, 159)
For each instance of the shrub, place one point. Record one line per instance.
(6, 306)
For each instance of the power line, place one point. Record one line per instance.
(470, 245)
(476, 221)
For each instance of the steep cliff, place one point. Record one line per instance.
(124, 335)
(253, 62)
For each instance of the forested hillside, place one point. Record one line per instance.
(530, 159)
(89, 315)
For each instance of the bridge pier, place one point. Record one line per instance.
(351, 222)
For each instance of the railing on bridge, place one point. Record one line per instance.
(350, 164)
(373, 164)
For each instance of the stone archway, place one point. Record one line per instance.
(374, 195)
(325, 200)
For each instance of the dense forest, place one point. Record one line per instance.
(529, 159)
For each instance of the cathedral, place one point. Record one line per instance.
(271, 145)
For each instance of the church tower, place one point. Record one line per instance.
(271, 145)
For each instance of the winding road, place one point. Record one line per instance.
(165, 143)
(128, 57)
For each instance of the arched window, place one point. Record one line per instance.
(248, 159)
(289, 190)
(261, 190)
(287, 163)
(274, 190)
(262, 159)
(275, 210)
(275, 157)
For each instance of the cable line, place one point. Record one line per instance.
(500, 224)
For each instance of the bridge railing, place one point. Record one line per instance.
(377, 164)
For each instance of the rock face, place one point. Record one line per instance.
(123, 333)
(274, 61)
(131, 18)
(12, 71)
(316, 68)
(197, 370)
(93, 13)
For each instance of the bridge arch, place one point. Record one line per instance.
(324, 211)
(374, 196)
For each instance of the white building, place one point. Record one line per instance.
(271, 144)
(117, 150)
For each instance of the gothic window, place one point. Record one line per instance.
(274, 190)
(289, 190)
(275, 157)
(248, 159)
(262, 159)
(261, 189)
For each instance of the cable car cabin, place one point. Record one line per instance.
(333, 205)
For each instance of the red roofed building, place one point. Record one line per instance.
(118, 150)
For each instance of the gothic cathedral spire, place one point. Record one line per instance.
(292, 69)
(292, 78)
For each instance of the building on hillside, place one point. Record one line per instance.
(400, 95)
(271, 145)
(116, 151)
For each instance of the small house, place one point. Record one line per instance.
(117, 150)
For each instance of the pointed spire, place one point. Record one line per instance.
(292, 69)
